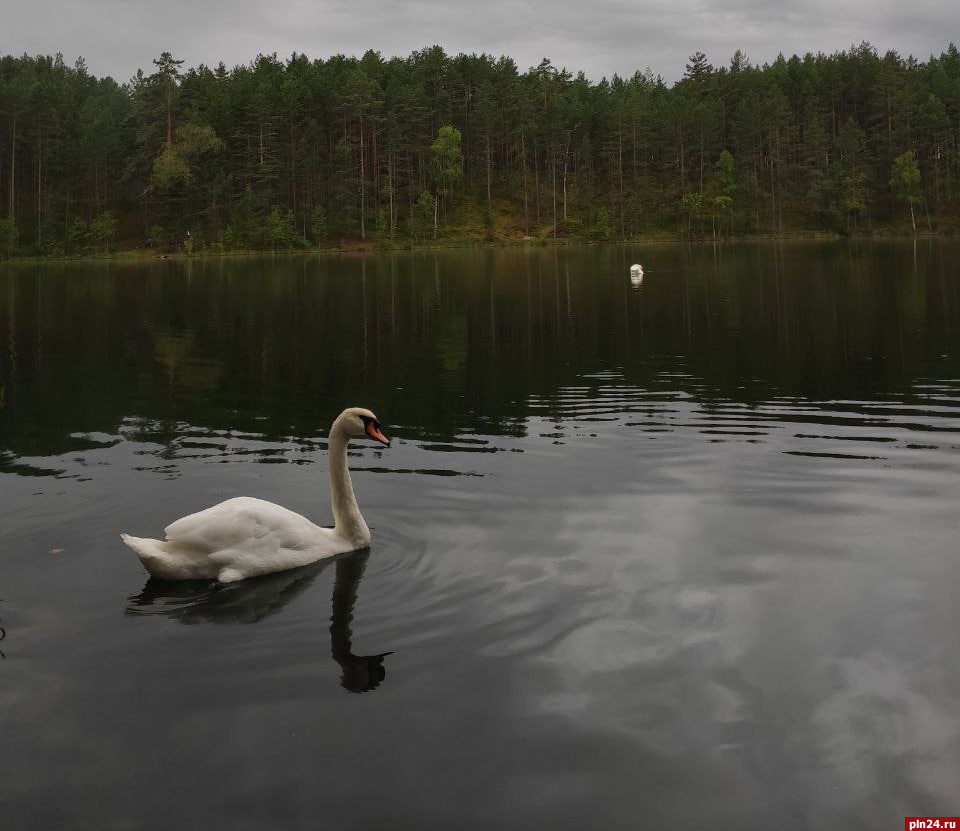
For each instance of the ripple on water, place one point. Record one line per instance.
(932, 408)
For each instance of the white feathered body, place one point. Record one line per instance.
(239, 538)
(244, 536)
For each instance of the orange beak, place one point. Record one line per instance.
(374, 432)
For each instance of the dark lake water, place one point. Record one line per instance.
(685, 553)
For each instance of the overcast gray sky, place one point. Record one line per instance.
(599, 36)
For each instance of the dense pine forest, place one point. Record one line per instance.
(434, 148)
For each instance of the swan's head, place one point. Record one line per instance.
(357, 422)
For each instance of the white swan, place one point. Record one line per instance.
(243, 536)
(636, 275)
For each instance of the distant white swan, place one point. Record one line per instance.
(243, 536)
(636, 274)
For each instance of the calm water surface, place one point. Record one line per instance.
(680, 553)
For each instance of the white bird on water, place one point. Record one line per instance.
(636, 274)
(243, 537)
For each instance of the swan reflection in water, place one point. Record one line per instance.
(252, 600)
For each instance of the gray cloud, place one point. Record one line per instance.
(606, 36)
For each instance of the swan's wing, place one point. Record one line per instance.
(242, 523)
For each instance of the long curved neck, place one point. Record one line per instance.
(348, 522)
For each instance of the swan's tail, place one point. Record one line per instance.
(144, 548)
(150, 552)
(172, 561)
(139, 544)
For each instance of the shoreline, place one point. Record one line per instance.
(359, 248)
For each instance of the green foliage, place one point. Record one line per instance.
(344, 191)
(851, 194)
(694, 206)
(103, 229)
(384, 231)
(488, 225)
(445, 160)
(170, 170)
(8, 237)
(319, 225)
(167, 77)
(244, 231)
(95, 235)
(601, 224)
(905, 182)
(570, 227)
(803, 143)
(196, 140)
(698, 69)
(719, 199)
(445, 164)
(168, 67)
(905, 177)
(78, 238)
(724, 176)
(422, 217)
(722, 204)
(281, 233)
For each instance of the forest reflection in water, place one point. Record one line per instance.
(451, 340)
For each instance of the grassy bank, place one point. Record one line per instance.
(506, 233)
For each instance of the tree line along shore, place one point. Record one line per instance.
(435, 148)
